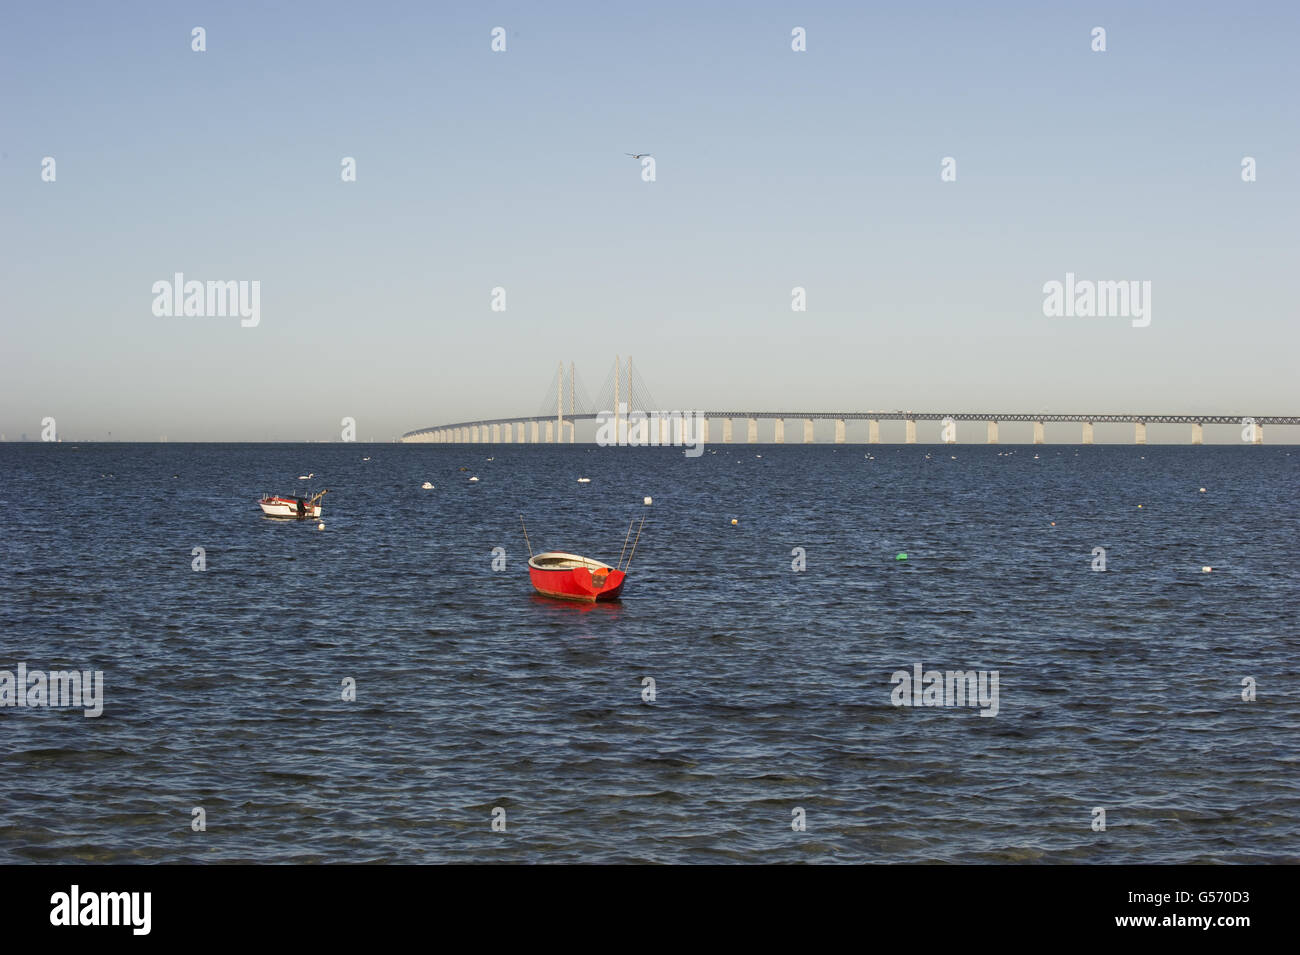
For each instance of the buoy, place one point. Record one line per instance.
(1053, 523)
(473, 479)
(320, 526)
(1139, 505)
(584, 480)
(1206, 570)
(649, 501)
(901, 556)
(734, 521)
(1202, 490)
(427, 486)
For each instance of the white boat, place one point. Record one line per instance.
(300, 508)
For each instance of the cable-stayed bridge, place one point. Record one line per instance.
(625, 401)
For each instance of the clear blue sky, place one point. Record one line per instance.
(775, 169)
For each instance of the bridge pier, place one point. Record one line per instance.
(704, 428)
(807, 430)
(508, 433)
(1087, 432)
(873, 431)
(1039, 435)
(550, 432)
(911, 431)
(778, 433)
(726, 431)
(993, 432)
(752, 436)
(536, 430)
(663, 432)
(1259, 434)
(573, 428)
(1140, 432)
(839, 431)
(1198, 434)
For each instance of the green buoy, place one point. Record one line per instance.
(901, 556)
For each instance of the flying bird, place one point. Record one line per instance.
(637, 155)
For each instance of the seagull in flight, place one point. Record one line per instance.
(637, 155)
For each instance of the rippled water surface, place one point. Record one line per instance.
(1120, 690)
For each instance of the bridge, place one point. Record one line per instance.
(556, 425)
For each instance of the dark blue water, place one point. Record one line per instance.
(1119, 690)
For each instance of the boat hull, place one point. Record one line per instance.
(571, 577)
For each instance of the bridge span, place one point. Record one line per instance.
(557, 425)
(700, 426)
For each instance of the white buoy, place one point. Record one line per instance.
(648, 501)
(427, 486)
(472, 480)
(1202, 490)
(1206, 570)
(320, 526)
(584, 480)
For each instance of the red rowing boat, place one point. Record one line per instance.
(557, 573)
(572, 577)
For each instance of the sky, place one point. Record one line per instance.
(774, 169)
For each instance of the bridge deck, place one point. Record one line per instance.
(904, 416)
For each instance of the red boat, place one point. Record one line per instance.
(572, 577)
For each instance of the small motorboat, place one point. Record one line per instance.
(299, 508)
(568, 576)
(572, 577)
